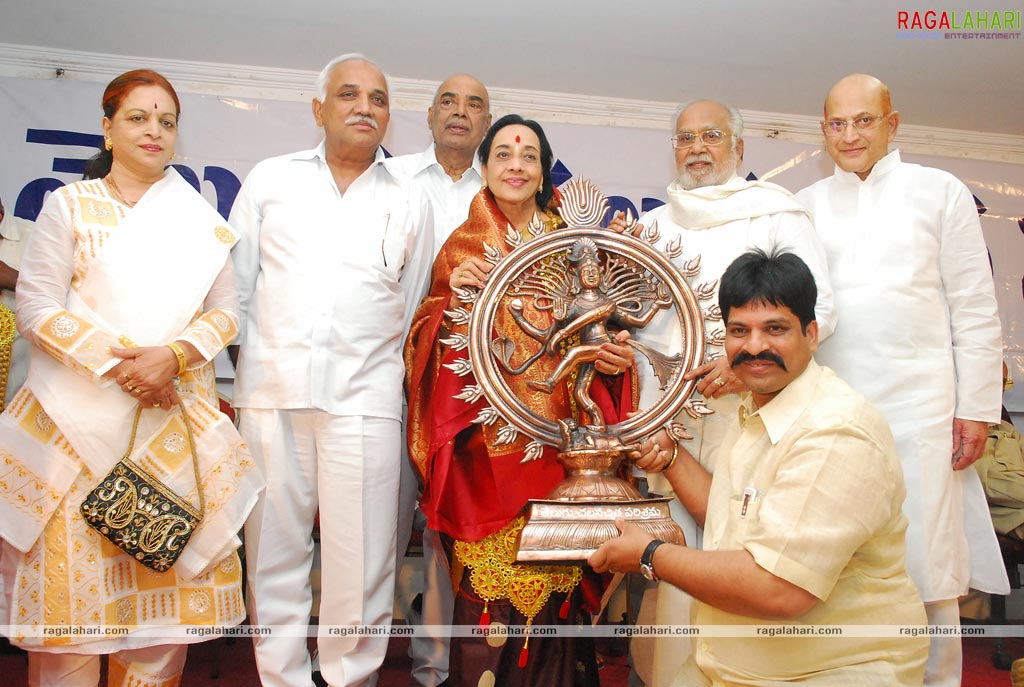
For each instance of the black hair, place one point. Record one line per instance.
(547, 189)
(774, 277)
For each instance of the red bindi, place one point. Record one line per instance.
(154, 106)
(517, 139)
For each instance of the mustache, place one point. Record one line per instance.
(362, 119)
(699, 157)
(743, 357)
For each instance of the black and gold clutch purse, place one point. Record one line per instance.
(141, 515)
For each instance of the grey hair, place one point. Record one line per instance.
(735, 118)
(325, 73)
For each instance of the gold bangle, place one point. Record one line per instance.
(675, 454)
(179, 353)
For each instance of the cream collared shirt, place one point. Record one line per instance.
(810, 485)
(327, 284)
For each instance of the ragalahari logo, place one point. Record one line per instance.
(958, 24)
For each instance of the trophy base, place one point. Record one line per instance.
(569, 531)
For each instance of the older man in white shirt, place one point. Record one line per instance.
(919, 337)
(448, 171)
(334, 256)
(717, 216)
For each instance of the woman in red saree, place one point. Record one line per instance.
(474, 489)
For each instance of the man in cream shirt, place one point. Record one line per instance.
(790, 540)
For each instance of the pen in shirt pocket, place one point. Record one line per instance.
(749, 496)
(387, 223)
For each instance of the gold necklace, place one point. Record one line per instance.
(117, 191)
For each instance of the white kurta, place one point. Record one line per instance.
(920, 338)
(717, 247)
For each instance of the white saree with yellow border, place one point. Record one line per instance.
(98, 275)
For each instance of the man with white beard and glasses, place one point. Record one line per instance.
(718, 216)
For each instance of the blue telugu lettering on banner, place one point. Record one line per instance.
(30, 200)
(226, 183)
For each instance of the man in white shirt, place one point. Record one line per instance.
(919, 336)
(716, 215)
(334, 256)
(448, 171)
(790, 539)
(14, 234)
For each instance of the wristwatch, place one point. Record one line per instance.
(646, 558)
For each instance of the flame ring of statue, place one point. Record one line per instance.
(628, 254)
(578, 281)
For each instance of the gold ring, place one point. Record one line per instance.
(719, 381)
(156, 404)
(137, 390)
(129, 387)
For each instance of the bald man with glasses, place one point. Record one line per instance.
(920, 338)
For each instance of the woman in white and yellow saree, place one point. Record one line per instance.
(126, 295)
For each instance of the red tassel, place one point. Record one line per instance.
(524, 654)
(485, 617)
(563, 612)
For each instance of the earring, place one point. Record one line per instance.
(107, 143)
(484, 185)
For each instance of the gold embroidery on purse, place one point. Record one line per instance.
(141, 515)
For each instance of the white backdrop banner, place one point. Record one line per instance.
(48, 128)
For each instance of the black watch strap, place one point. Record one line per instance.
(647, 557)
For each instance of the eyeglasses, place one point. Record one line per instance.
(709, 137)
(836, 127)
